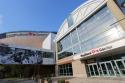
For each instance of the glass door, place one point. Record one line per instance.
(110, 68)
(107, 68)
(104, 69)
(93, 69)
(95, 66)
(120, 64)
(92, 73)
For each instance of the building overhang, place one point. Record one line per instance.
(106, 53)
(113, 48)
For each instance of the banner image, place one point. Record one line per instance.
(9, 55)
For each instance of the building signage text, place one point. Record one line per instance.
(96, 51)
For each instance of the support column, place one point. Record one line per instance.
(56, 59)
(79, 69)
(56, 70)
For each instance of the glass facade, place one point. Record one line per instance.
(108, 66)
(65, 70)
(97, 30)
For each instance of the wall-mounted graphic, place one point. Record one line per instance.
(11, 55)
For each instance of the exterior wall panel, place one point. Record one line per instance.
(79, 69)
(117, 13)
(26, 41)
(27, 48)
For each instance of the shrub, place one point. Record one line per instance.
(61, 81)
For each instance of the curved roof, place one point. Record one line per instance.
(25, 33)
(33, 39)
(30, 31)
(79, 15)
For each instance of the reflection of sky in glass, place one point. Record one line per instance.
(113, 33)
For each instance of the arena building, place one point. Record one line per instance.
(27, 47)
(32, 49)
(90, 43)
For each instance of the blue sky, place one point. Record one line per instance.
(34, 15)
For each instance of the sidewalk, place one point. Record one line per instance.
(26, 81)
(17, 81)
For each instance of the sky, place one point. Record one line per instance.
(35, 15)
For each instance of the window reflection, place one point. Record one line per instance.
(64, 43)
(76, 49)
(93, 32)
(74, 37)
(65, 54)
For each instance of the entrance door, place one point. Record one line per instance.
(110, 68)
(120, 64)
(104, 69)
(96, 71)
(93, 69)
(107, 68)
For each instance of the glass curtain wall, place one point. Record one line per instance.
(97, 30)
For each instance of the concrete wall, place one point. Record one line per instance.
(27, 41)
(53, 45)
(48, 43)
(79, 69)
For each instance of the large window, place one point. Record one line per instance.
(65, 70)
(64, 43)
(66, 53)
(96, 24)
(98, 29)
(74, 37)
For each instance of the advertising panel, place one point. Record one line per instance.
(10, 55)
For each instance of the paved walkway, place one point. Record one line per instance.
(17, 81)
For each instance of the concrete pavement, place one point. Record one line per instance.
(17, 81)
